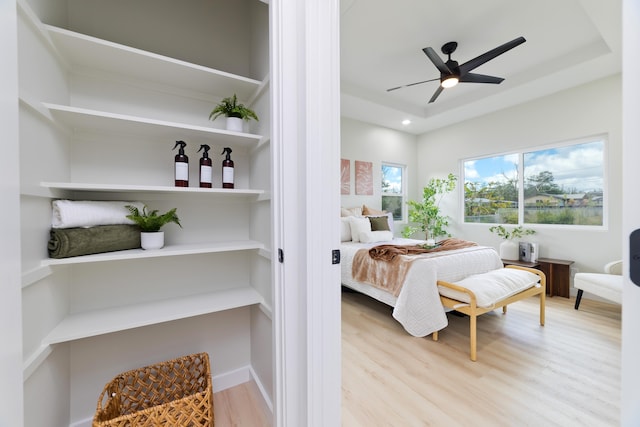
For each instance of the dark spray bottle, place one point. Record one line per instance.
(205, 167)
(181, 166)
(227, 169)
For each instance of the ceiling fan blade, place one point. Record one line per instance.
(436, 94)
(412, 84)
(487, 56)
(437, 61)
(480, 78)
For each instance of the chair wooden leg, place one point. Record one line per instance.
(578, 298)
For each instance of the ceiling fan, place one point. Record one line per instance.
(451, 73)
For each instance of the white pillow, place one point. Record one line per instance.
(358, 225)
(357, 211)
(492, 286)
(375, 236)
(345, 229)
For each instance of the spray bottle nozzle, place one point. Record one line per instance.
(228, 151)
(182, 144)
(206, 149)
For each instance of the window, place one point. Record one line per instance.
(491, 189)
(560, 185)
(393, 190)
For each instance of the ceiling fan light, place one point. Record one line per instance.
(449, 82)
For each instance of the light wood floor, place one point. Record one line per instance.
(566, 373)
(241, 406)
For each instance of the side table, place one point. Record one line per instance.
(520, 263)
(558, 272)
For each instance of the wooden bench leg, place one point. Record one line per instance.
(542, 307)
(472, 336)
(434, 335)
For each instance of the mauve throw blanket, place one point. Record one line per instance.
(381, 266)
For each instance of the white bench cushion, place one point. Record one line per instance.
(493, 286)
(607, 286)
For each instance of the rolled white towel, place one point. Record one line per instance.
(89, 213)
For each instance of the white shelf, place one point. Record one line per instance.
(112, 123)
(99, 322)
(124, 188)
(86, 51)
(169, 250)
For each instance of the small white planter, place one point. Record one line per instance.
(152, 240)
(509, 250)
(234, 124)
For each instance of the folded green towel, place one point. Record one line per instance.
(70, 242)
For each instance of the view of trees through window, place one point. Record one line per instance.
(393, 190)
(562, 185)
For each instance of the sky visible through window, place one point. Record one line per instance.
(392, 191)
(559, 185)
(392, 179)
(575, 167)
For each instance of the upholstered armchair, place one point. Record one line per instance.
(607, 285)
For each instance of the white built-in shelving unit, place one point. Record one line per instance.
(92, 119)
(81, 50)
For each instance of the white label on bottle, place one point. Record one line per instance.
(182, 171)
(205, 174)
(227, 175)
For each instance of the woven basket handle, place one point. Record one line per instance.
(105, 397)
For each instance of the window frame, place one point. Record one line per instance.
(604, 138)
(402, 195)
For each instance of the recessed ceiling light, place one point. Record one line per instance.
(406, 122)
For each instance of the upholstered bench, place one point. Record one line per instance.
(485, 292)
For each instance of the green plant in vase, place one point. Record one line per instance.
(508, 248)
(427, 214)
(234, 112)
(150, 223)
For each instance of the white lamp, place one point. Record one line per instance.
(449, 81)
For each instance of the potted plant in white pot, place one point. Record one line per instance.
(509, 248)
(427, 213)
(235, 113)
(150, 223)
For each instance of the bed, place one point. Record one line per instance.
(417, 305)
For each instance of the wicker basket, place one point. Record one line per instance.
(177, 392)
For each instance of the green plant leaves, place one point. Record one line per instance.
(151, 221)
(517, 232)
(229, 107)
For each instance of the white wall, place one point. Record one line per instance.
(594, 108)
(11, 397)
(366, 142)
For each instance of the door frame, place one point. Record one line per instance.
(305, 108)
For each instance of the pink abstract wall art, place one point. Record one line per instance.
(345, 176)
(364, 178)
